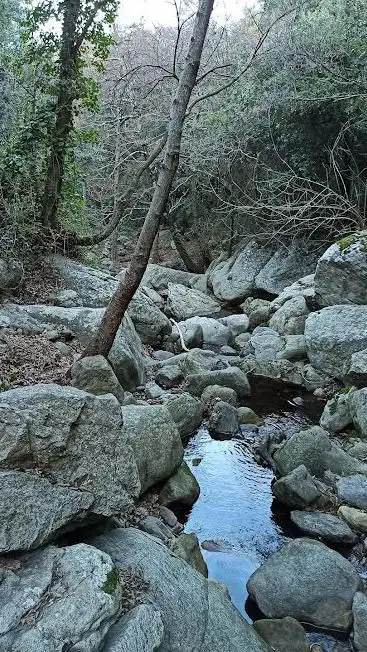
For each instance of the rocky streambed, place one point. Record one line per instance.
(183, 426)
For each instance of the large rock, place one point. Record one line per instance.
(231, 377)
(341, 273)
(267, 343)
(299, 489)
(214, 393)
(333, 335)
(215, 334)
(285, 267)
(57, 599)
(352, 490)
(234, 279)
(187, 547)
(197, 615)
(308, 581)
(283, 635)
(11, 274)
(158, 277)
(33, 511)
(257, 311)
(237, 323)
(183, 303)
(126, 355)
(358, 410)
(356, 518)
(327, 526)
(140, 630)
(95, 375)
(223, 419)
(75, 439)
(360, 622)
(155, 440)
(336, 414)
(355, 369)
(291, 317)
(314, 449)
(94, 290)
(182, 487)
(304, 287)
(186, 411)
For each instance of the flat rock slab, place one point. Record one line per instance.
(140, 630)
(327, 526)
(57, 599)
(197, 614)
(352, 490)
(183, 303)
(33, 511)
(307, 581)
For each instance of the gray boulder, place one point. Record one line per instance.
(187, 547)
(126, 355)
(333, 335)
(234, 279)
(216, 392)
(169, 376)
(182, 487)
(223, 419)
(186, 411)
(291, 317)
(158, 277)
(215, 334)
(295, 348)
(283, 635)
(267, 344)
(74, 439)
(352, 490)
(94, 290)
(11, 274)
(341, 273)
(355, 369)
(245, 416)
(183, 303)
(257, 311)
(156, 528)
(314, 449)
(96, 376)
(197, 615)
(58, 597)
(153, 436)
(238, 324)
(33, 511)
(356, 518)
(285, 267)
(299, 489)
(140, 630)
(359, 635)
(191, 332)
(326, 526)
(304, 287)
(358, 410)
(336, 415)
(308, 581)
(231, 377)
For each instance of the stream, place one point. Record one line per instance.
(235, 518)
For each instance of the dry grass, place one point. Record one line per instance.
(30, 359)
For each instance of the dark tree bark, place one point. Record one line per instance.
(105, 336)
(63, 114)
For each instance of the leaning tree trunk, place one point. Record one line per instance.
(64, 114)
(105, 336)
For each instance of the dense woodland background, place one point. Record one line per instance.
(274, 141)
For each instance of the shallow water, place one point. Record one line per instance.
(234, 512)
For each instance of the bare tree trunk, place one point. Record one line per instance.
(119, 302)
(63, 114)
(154, 256)
(192, 265)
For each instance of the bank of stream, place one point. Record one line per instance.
(235, 518)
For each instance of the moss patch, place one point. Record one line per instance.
(112, 581)
(352, 239)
